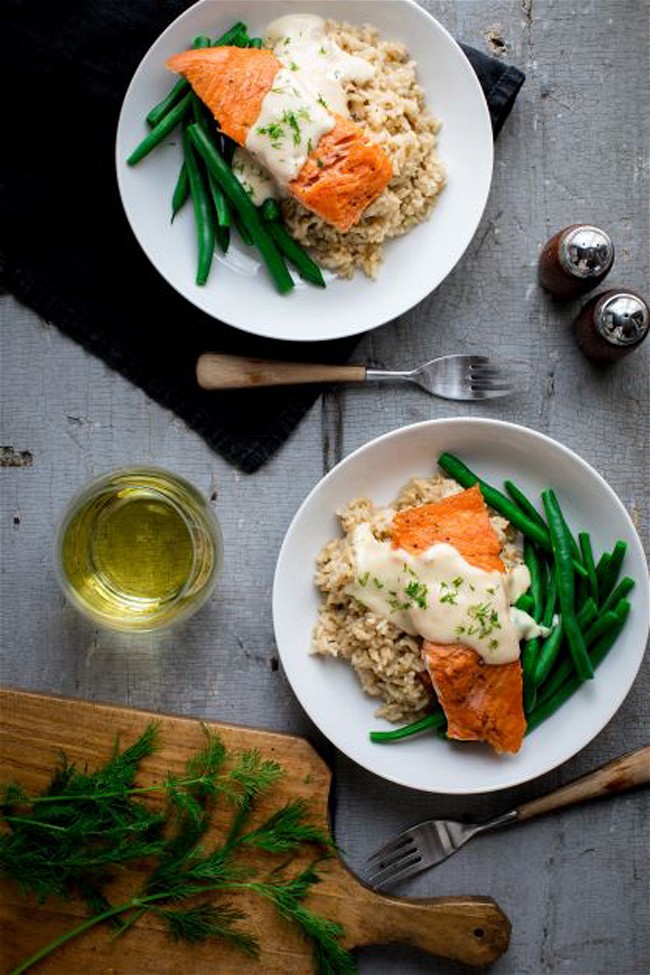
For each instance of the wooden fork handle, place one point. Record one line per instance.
(236, 372)
(623, 773)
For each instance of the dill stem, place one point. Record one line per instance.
(141, 902)
(100, 796)
(34, 822)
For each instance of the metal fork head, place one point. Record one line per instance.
(416, 849)
(472, 377)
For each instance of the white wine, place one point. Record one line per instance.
(138, 549)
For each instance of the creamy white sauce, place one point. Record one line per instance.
(297, 111)
(441, 597)
(257, 181)
(302, 44)
(290, 124)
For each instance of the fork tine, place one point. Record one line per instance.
(394, 846)
(401, 870)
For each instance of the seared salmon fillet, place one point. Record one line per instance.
(343, 173)
(461, 520)
(482, 702)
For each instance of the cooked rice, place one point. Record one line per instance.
(390, 108)
(387, 660)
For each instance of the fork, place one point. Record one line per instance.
(458, 377)
(423, 846)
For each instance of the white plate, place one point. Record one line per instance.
(241, 293)
(329, 690)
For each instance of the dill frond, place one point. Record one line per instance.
(70, 841)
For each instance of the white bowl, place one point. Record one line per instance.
(239, 291)
(329, 690)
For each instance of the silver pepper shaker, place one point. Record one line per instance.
(575, 260)
(611, 325)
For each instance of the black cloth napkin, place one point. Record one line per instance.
(66, 249)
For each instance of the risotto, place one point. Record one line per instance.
(388, 661)
(390, 108)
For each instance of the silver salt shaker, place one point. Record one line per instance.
(611, 325)
(575, 260)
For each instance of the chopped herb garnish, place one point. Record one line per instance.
(417, 591)
(377, 583)
(363, 580)
(457, 582)
(321, 101)
(293, 66)
(492, 591)
(449, 597)
(322, 50)
(320, 163)
(493, 644)
(486, 620)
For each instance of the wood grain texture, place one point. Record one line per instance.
(575, 884)
(35, 729)
(236, 372)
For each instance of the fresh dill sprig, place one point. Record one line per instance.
(70, 841)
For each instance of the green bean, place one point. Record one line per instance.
(551, 599)
(600, 625)
(206, 123)
(587, 614)
(547, 655)
(529, 697)
(242, 229)
(270, 210)
(588, 561)
(553, 644)
(160, 131)
(522, 501)
(625, 586)
(436, 719)
(565, 669)
(609, 577)
(533, 564)
(560, 694)
(529, 528)
(222, 235)
(601, 571)
(220, 202)
(529, 656)
(562, 553)
(231, 35)
(159, 111)
(525, 602)
(205, 225)
(181, 190)
(182, 86)
(296, 254)
(237, 195)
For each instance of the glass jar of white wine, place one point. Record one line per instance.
(138, 549)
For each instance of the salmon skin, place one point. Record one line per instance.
(342, 175)
(482, 702)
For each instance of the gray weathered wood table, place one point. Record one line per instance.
(575, 885)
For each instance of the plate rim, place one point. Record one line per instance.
(333, 331)
(515, 779)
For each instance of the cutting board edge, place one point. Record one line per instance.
(6, 690)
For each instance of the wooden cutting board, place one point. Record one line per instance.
(35, 729)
